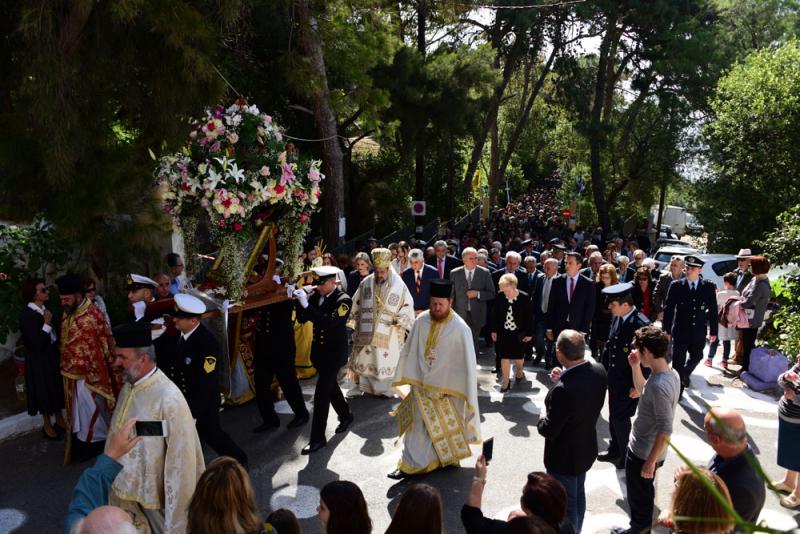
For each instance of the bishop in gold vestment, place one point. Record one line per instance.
(382, 315)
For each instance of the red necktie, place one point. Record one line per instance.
(441, 268)
(419, 282)
(571, 288)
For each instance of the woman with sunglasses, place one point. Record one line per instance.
(43, 385)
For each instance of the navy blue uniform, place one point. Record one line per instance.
(688, 316)
(328, 354)
(620, 379)
(195, 373)
(274, 358)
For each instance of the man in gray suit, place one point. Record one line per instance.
(472, 289)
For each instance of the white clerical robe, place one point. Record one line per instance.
(439, 419)
(381, 316)
(159, 474)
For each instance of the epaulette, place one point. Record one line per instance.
(643, 318)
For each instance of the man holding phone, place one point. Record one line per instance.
(160, 473)
(573, 407)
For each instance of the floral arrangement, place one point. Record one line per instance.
(237, 172)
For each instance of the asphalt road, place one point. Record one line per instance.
(36, 488)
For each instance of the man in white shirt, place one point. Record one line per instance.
(472, 289)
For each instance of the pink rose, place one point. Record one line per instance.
(167, 208)
(304, 218)
(221, 223)
(264, 171)
(237, 227)
(279, 189)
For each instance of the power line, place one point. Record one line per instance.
(531, 6)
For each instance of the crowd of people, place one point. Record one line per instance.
(412, 320)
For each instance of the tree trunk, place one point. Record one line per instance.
(494, 163)
(522, 119)
(491, 117)
(419, 149)
(451, 179)
(661, 199)
(596, 133)
(324, 119)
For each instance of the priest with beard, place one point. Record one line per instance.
(90, 383)
(439, 418)
(381, 316)
(160, 473)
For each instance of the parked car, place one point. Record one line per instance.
(716, 265)
(665, 253)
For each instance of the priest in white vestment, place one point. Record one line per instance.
(382, 315)
(160, 473)
(439, 418)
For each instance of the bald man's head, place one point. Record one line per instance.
(105, 520)
(726, 432)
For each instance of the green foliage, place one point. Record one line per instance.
(783, 330)
(754, 145)
(782, 247)
(29, 251)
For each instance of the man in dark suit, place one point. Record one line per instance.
(626, 272)
(743, 272)
(273, 357)
(535, 282)
(573, 407)
(734, 461)
(327, 308)
(442, 261)
(572, 300)
(690, 312)
(595, 261)
(512, 265)
(196, 375)
(622, 397)
(418, 280)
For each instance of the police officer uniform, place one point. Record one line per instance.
(329, 353)
(621, 407)
(690, 311)
(274, 358)
(195, 373)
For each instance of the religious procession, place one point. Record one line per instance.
(347, 267)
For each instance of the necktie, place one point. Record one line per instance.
(469, 280)
(441, 268)
(546, 294)
(614, 325)
(419, 282)
(692, 285)
(739, 278)
(571, 288)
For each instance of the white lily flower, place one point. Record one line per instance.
(236, 173)
(224, 162)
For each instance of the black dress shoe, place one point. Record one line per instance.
(266, 425)
(608, 457)
(299, 420)
(398, 475)
(48, 437)
(343, 424)
(313, 447)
